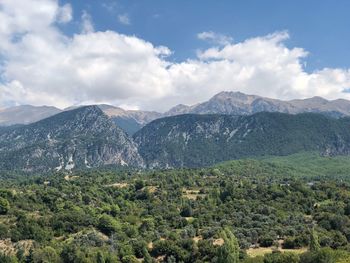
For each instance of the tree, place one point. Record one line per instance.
(146, 256)
(100, 257)
(187, 211)
(130, 259)
(314, 243)
(108, 224)
(4, 206)
(46, 255)
(139, 184)
(7, 259)
(229, 251)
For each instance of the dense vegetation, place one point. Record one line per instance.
(202, 140)
(281, 209)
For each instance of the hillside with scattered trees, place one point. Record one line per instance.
(267, 211)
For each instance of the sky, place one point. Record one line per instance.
(154, 54)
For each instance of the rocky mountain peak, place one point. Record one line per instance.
(81, 138)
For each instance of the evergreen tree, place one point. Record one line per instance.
(100, 257)
(229, 251)
(146, 256)
(29, 258)
(314, 243)
(4, 206)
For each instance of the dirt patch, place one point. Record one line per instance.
(10, 248)
(218, 242)
(118, 185)
(152, 189)
(70, 178)
(196, 239)
(192, 194)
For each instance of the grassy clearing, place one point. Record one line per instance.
(261, 251)
(192, 194)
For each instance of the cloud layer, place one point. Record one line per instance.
(41, 65)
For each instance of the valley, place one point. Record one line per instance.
(273, 204)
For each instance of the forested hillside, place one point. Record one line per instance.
(202, 140)
(268, 210)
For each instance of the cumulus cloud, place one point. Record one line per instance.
(65, 14)
(215, 38)
(124, 19)
(41, 65)
(86, 25)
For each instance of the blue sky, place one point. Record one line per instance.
(154, 54)
(319, 26)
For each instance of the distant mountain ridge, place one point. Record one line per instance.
(238, 103)
(233, 103)
(25, 114)
(129, 120)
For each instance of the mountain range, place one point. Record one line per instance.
(231, 125)
(233, 103)
(238, 103)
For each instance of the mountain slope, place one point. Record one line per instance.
(129, 120)
(201, 140)
(80, 138)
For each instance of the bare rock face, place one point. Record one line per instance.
(80, 138)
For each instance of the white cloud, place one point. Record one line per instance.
(110, 6)
(215, 38)
(87, 25)
(124, 19)
(65, 14)
(41, 65)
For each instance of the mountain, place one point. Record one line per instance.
(86, 137)
(238, 103)
(25, 114)
(81, 138)
(201, 140)
(130, 120)
(233, 103)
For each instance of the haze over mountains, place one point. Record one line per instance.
(228, 126)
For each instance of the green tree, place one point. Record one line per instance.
(7, 259)
(4, 206)
(229, 251)
(146, 256)
(100, 257)
(108, 225)
(314, 243)
(45, 255)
